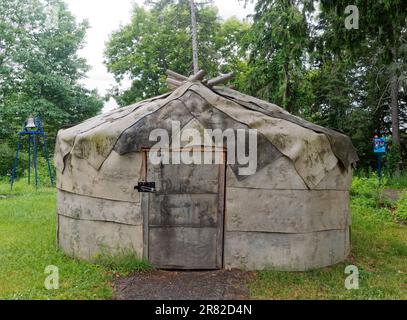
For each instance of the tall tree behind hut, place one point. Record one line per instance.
(159, 38)
(40, 69)
(278, 43)
(194, 34)
(379, 45)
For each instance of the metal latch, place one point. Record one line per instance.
(145, 187)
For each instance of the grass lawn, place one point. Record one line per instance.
(379, 250)
(27, 247)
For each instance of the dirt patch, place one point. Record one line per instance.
(183, 285)
(391, 194)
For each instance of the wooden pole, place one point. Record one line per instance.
(176, 76)
(194, 36)
(198, 76)
(173, 84)
(221, 79)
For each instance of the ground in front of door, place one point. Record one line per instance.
(183, 285)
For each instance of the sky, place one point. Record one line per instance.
(105, 17)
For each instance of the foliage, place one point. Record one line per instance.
(159, 39)
(277, 42)
(7, 155)
(401, 208)
(391, 159)
(7, 158)
(295, 53)
(376, 55)
(367, 189)
(304, 58)
(398, 182)
(388, 181)
(379, 250)
(40, 69)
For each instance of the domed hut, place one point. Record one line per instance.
(289, 211)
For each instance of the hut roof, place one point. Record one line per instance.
(314, 150)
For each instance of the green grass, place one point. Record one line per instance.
(379, 250)
(397, 183)
(387, 181)
(401, 208)
(122, 263)
(27, 247)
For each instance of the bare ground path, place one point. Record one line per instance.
(392, 194)
(183, 285)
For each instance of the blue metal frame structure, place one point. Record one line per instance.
(33, 135)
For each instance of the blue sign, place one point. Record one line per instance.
(379, 145)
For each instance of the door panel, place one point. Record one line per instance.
(180, 247)
(193, 210)
(185, 216)
(185, 179)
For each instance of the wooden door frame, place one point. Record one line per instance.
(145, 201)
(221, 211)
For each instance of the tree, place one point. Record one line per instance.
(310, 62)
(194, 34)
(159, 38)
(278, 42)
(39, 67)
(380, 45)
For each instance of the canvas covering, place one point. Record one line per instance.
(314, 150)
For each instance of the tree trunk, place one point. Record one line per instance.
(286, 92)
(395, 128)
(194, 36)
(394, 108)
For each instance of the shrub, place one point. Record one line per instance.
(367, 190)
(398, 183)
(392, 158)
(401, 208)
(7, 155)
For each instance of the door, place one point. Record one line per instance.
(185, 215)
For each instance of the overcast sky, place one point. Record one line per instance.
(106, 16)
